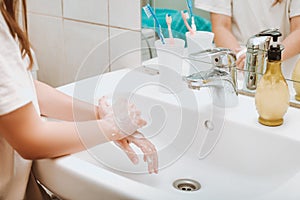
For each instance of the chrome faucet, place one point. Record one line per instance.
(256, 56)
(221, 77)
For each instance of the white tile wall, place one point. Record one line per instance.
(63, 33)
(125, 49)
(45, 7)
(86, 50)
(95, 11)
(125, 14)
(46, 36)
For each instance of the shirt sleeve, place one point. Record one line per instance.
(13, 92)
(215, 6)
(294, 8)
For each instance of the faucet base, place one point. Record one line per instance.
(268, 122)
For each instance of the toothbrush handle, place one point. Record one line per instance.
(194, 25)
(186, 23)
(170, 31)
(190, 6)
(160, 35)
(159, 32)
(154, 16)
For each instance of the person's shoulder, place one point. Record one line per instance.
(2, 21)
(5, 35)
(3, 27)
(6, 39)
(215, 6)
(9, 48)
(294, 4)
(294, 8)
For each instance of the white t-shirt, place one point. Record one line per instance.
(16, 90)
(252, 16)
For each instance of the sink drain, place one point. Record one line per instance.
(187, 185)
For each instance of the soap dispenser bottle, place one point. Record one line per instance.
(272, 94)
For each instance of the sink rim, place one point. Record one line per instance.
(49, 171)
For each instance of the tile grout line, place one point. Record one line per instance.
(109, 42)
(63, 39)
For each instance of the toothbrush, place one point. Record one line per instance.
(185, 16)
(193, 24)
(149, 12)
(169, 22)
(190, 6)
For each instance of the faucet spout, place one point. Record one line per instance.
(224, 91)
(221, 77)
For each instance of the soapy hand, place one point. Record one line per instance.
(149, 150)
(123, 120)
(126, 136)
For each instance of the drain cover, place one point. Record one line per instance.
(187, 185)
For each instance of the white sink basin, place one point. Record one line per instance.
(226, 151)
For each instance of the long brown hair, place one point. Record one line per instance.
(276, 2)
(9, 10)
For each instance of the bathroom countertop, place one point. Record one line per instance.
(244, 113)
(249, 115)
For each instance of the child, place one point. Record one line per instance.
(24, 136)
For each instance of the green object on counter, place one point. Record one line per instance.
(178, 27)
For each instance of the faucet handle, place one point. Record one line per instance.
(210, 52)
(223, 59)
(220, 57)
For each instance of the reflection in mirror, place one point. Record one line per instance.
(296, 79)
(293, 85)
(163, 7)
(173, 8)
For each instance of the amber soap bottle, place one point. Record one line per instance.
(272, 94)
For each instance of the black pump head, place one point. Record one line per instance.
(274, 52)
(273, 32)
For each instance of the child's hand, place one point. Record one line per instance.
(149, 150)
(124, 119)
(241, 57)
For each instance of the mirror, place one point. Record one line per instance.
(161, 7)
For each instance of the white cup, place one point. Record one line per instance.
(170, 57)
(199, 41)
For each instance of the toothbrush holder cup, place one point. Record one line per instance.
(170, 59)
(199, 41)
